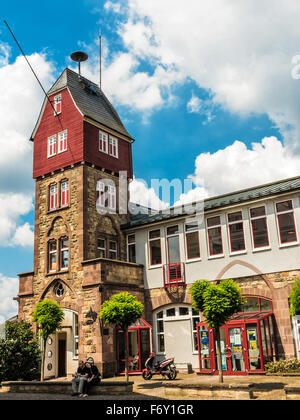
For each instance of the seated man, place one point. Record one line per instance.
(94, 376)
(79, 380)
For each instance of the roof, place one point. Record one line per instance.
(218, 202)
(90, 101)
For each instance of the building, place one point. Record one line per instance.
(83, 255)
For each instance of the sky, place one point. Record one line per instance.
(210, 91)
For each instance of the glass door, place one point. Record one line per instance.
(133, 351)
(205, 338)
(254, 356)
(224, 350)
(236, 349)
(144, 346)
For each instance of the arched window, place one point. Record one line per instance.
(257, 304)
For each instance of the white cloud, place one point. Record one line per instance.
(146, 196)
(8, 289)
(21, 99)
(237, 167)
(240, 51)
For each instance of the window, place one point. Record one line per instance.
(51, 146)
(214, 236)
(113, 147)
(192, 242)
(254, 304)
(286, 222)
(259, 227)
(59, 290)
(52, 255)
(64, 253)
(75, 334)
(53, 201)
(57, 104)
(64, 193)
(62, 141)
(103, 142)
(236, 232)
(112, 251)
(195, 320)
(101, 248)
(131, 248)
(155, 247)
(108, 198)
(160, 332)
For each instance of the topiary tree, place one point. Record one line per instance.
(218, 303)
(122, 310)
(19, 353)
(49, 316)
(295, 299)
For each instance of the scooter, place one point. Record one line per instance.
(164, 368)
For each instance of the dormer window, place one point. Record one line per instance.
(57, 104)
(113, 147)
(52, 146)
(103, 142)
(63, 141)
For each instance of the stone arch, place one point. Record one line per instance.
(70, 305)
(108, 226)
(58, 227)
(247, 265)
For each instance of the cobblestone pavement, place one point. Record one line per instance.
(266, 388)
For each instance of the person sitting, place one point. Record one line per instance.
(79, 379)
(94, 376)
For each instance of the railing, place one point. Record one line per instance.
(174, 275)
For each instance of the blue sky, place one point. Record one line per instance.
(206, 91)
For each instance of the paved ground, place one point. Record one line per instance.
(266, 388)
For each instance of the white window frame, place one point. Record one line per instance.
(129, 244)
(259, 248)
(53, 191)
(111, 250)
(62, 141)
(279, 213)
(186, 233)
(219, 225)
(57, 100)
(149, 247)
(113, 145)
(236, 222)
(99, 248)
(64, 189)
(61, 252)
(112, 197)
(52, 142)
(103, 142)
(75, 337)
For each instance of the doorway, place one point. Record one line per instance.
(62, 355)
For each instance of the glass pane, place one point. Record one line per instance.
(65, 259)
(101, 243)
(253, 347)
(173, 230)
(183, 311)
(131, 239)
(195, 337)
(173, 248)
(260, 233)
(160, 315)
(196, 320)
(235, 216)
(131, 253)
(161, 343)
(265, 305)
(251, 304)
(287, 228)
(52, 246)
(263, 341)
(214, 221)
(112, 245)
(237, 237)
(192, 243)
(223, 350)
(190, 228)
(155, 252)
(154, 234)
(236, 350)
(215, 241)
(171, 312)
(284, 206)
(52, 262)
(268, 339)
(145, 346)
(258, 211)
(160, 326)
(204, 348)
(133, 350)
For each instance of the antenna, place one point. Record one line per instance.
(100, 46)
(33, 71)
(79, 57)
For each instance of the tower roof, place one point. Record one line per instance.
(90, 101)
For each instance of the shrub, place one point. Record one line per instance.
(283, 366)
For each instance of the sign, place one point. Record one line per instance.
(204, 338)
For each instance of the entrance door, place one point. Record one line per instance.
(62, 357)
(178, 341)
(236, 349)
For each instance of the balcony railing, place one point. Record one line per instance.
(174, 275)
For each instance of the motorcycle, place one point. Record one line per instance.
(166, 368)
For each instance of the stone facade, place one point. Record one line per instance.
(89, 280)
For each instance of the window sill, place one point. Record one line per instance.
(153, 267)
(214, 257)
(192, 261)
(289, 244)
(266, 248)
(233, 254)
(56, 273)
(58, 209)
